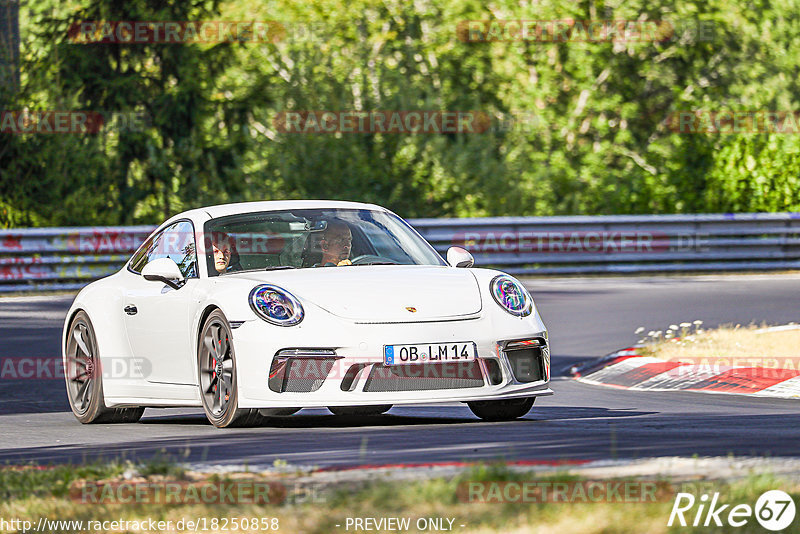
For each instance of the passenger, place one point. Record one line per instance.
(222, 254)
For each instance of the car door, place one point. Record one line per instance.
(158, 318)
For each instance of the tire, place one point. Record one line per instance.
(216, 358)
(84, 377)
(360, 410)
(502, 410)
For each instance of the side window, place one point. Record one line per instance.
(139, 259)
(175, 242)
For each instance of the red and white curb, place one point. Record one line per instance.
(628, 370)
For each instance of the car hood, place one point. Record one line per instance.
(382, 293)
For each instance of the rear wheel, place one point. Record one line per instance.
(360, 410)
(501, 410)
(85, 378)
(216, 362)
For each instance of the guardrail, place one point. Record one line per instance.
(68, 258)
(624, 243)
(64, 258)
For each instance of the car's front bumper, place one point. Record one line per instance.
(358, 349)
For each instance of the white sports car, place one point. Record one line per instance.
(261, 309)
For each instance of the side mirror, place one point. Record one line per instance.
(164, 270)
(459, 257)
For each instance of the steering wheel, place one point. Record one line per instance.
(369, 258)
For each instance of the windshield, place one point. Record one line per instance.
(299, 239)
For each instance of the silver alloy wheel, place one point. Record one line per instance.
(84, 377)
(216, 361)
(81, 367)
(216, 367)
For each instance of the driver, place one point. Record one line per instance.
(223, 250)
(336, 244)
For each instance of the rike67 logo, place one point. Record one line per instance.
(774, 510)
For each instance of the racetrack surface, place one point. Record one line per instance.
(586, 318)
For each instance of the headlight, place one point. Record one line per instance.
(276, 305)
(511, 295)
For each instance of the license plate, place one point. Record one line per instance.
(429, 353)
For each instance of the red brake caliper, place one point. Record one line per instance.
(214, 372)
(227, 395)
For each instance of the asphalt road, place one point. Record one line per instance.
(586, 317)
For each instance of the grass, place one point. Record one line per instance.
(31, 492)
(731, 345)
(31, 481)
(162, 464)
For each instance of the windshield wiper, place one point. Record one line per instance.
(377, 263)
(279, 267)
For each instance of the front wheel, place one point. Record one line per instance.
(502, 410)
(216, 362)
(360, 410)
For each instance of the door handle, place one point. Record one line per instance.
(131, 310)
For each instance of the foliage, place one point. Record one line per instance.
(591, 134)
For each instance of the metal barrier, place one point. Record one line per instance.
(624, 243)
(68, 258)
(64, 258)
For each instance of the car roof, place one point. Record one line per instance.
(223, 210)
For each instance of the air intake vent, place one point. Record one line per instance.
(493, 372)
(526, 360)
(349, 380)
(424, 377)
(300, 370)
